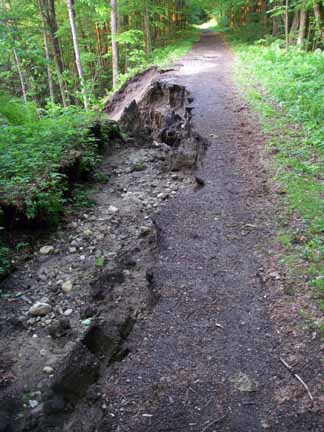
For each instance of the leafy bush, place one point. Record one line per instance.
(39, 153)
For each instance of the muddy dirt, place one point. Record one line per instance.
(163, 308)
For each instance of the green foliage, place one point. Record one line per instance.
(100, 261)
(4, 260)
(164, 55)
(80, 198)
(40, 154)
(290, 83)
(184, 41)
(13, 112)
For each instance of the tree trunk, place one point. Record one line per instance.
(17, 61)
(69, 4)
(302, 27)
(114, 32)
(21, 77)
(275, 26)
(264, 17)
(319, 18)
(294, 27)
(48, 6)
(47, 55)
(287, 25)
(147, 31)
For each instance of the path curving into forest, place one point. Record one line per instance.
(207, 359)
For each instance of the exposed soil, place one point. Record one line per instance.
(164, 301)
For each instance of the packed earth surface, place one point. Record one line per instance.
(163, 308)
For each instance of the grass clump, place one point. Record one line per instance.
(287, 90)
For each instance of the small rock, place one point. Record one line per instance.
(40, 309)
(42, 352)
(87, 311)
(68, 312)
(59, 327)
(163, 196)
(67, 287)
(46, 250)
(72, 249)
(48, 370)
(33, 403)
(244, 383)
(145, 230)
(87, 232)
(112, 209)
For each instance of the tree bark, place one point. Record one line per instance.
(287, 24)
(275, 26)
(264, 17)
(294, 27)
(319, 18)
(302, 27)
(147, 31)
(114, 46)
(21, 77)
(47, 55)
(48, 6)
(69, 4)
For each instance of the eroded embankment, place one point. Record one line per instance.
(67, 311)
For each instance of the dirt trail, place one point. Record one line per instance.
(208, 357)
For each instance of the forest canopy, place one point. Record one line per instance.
(69, 51)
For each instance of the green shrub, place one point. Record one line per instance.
(4, 260)
(38, 155)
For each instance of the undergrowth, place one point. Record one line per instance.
(39, 152)
(42, 154)
(287, 90)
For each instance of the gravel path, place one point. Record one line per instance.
(207, 359)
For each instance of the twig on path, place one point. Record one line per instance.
(214, 422)
(297, 377)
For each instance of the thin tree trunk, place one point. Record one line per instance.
(302, 27)
(50, 15)
(294, 27)
(287, 25)
(17, 61)
(69, 4)
(114, 31)
(147, 31)
(319, 18)
(264, 17)
(47, 55)
(21, 77)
